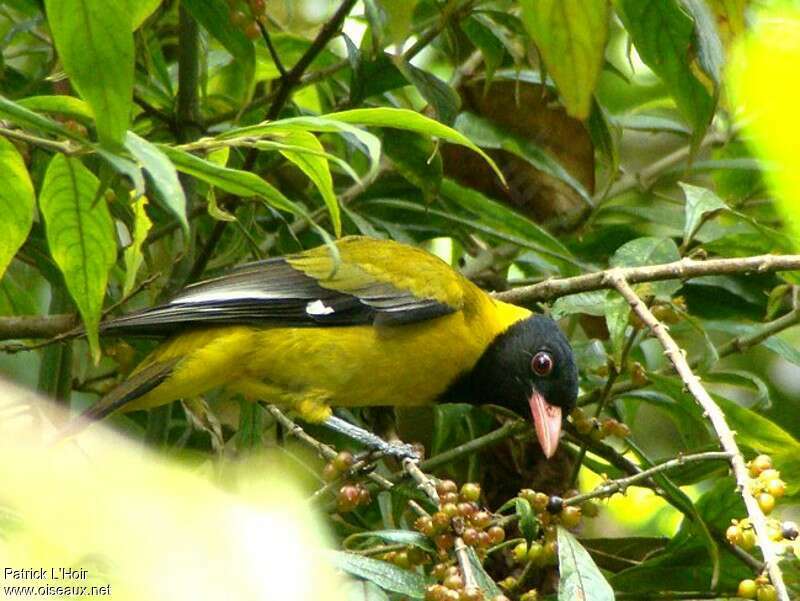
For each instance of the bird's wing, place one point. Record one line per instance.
(372, 282)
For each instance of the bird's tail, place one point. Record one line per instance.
(139, 384)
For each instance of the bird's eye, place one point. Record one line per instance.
(542, 364)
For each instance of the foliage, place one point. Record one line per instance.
(144, 145)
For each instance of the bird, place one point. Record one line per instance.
(365, 322)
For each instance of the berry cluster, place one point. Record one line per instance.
(598, 429)
(350, 496)
(460, 515)
(766, 486)
(245, 14)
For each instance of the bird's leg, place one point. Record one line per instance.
(373, 442)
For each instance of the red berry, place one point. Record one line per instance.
(347, 499)
(496, 535)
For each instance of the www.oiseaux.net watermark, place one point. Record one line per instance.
(51, 582)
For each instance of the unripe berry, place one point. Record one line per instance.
(401, 560)
(536, 553)
(444, 542)
(252, 30)
(550, 553)
(454, 582)
(482, 519)
(520, 552)
(776, 487)
(496, 535)
(238, 17)
(767, 593)
(329, 472)
(769, 474)
(470, 536)
(470, 492)
(748, 539)
(450, 510)
(767, 502)
(734, 535)
(540, 501)
(440, 521)
(471, 594)
(759, 464)
(483, 539)
(417, 556)
(467, 510)
(509, 583)
(445, 486)
(747, 589)
(531, 595)
(424, 525)
(343, 461)
(571, 516)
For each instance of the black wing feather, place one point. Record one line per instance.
(272, 292)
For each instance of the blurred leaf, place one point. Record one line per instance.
(386, 575)
(363, 590)
(214, 15)
(774, 343)
(399, 14)
(701, 203)
(649, 251)
(571, 38)
(162, 174)
(664, 34)
(616, 311)
(580, 576)
(768, 101)
(404, 537)
(133, 252)
(68, 106)
(140, 10)
(17, 203)
(650, 123)
(95, 44)
(373, 76)
(80, 235)
(484, 133)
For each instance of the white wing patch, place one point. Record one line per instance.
(218, 295)
(317, 307)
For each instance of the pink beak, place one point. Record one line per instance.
(547, 421)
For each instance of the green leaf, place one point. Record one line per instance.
(510, 225)
(80, 235)
(17, 202)
(133, 252)
(405, 537)
(616, 314)
(214, 15)
(61, 104)
(488, 135)
(571, 37)
(710, 54)
(701, 203)
(24, 117)
(649, 251)
(316, 167)
(416, 159)
(528, 524)
(94, 40)
(590, 303)
(387, 576)
(162, 174)
(361, 590)
(485, 38)
(580, 577)
(412, 121)
(663, 34)
(444, 99)
(485, 582)
(233, 181)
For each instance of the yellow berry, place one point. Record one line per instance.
(747, 589)
(767, 502)
(776, 487)
(767, 593)
(520, 552)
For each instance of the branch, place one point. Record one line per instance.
(293, 77)
(619, 485)
(35, 326)
(683, 269)
(616, 278)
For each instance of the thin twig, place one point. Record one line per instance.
(424, 482)
(684, 269)
(18, 134)
(676, 355)
(619, 485)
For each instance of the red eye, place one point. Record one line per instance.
(542, 364)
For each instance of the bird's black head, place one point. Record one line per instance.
(530, 368)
